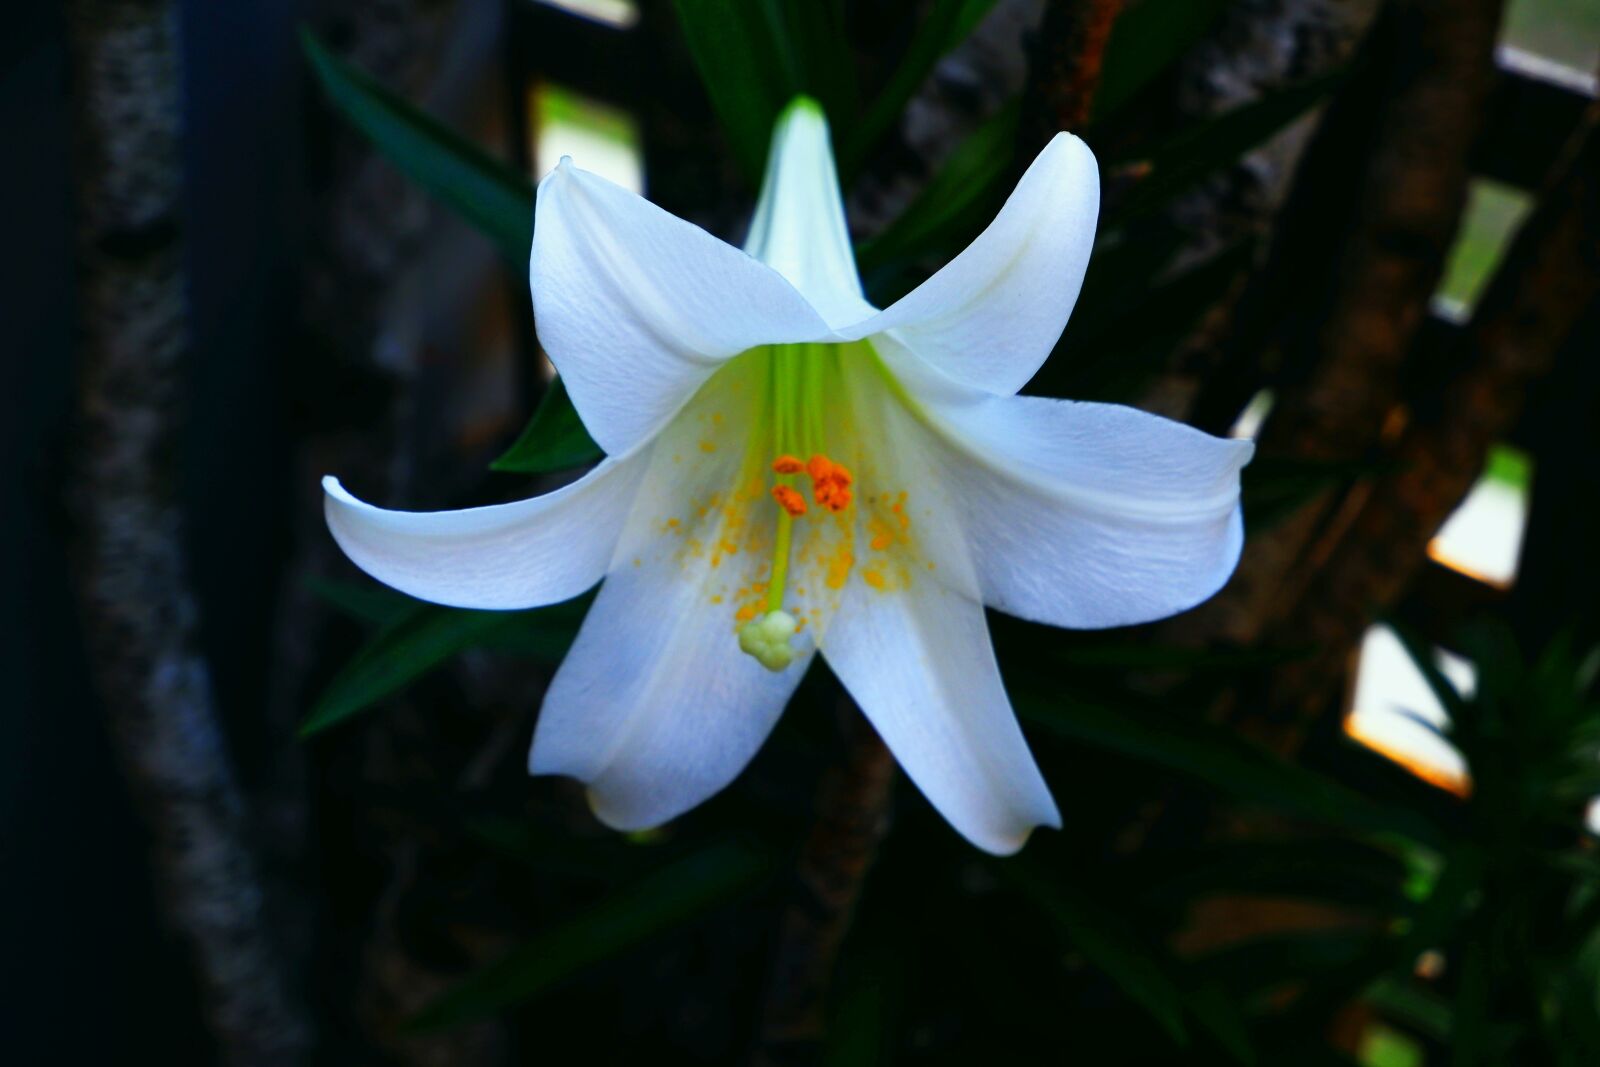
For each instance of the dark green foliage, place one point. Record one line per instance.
(553, 440)
(683, 889)
(1526, 959)
(1186, 157)
(957, 201)
(1078, 950)
(486, 192)
(1146, 38)
(426, 635)
(946, 25)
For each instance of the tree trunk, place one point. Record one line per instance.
(139, 614)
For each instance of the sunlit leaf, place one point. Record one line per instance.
(486, 192)
(553, 440)
(656, 903)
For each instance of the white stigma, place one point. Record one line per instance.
(767, 639)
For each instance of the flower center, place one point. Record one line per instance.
(798, 396)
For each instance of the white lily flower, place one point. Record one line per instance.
(790, 470)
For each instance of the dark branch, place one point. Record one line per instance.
(139, 615)
(852, 817)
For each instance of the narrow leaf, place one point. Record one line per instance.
(486, 192)
(1190, 747)
(948, 203)
(747, 68)
(1146, 38)
(657, 903)
(946, 25)
(367, 602)
(1200, 150)
(553, 440)
(422, 639)
(1099, 932)
(1426, 661)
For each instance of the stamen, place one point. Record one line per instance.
(787, 465)
(790, 500)
(830, 483)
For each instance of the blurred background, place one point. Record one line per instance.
(255, 808)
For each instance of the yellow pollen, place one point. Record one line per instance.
(873, 578)
(839, 569)
(708, 446)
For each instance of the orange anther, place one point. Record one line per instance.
(789, 499)
(788, 465)
(830, 483)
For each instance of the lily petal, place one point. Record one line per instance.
(655, 707)
(1083, 515)
(637, 307)
(991, 316)
(521, 555)
(799, 227)
(919, 663)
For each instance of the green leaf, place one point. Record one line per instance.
(1272, 961)
(1112, 354)
(658, 902)
(549, 851)
(1338, 870)
(486, 192)
(1189, 746)
(1406, 1002)
(1100, 932)
(1146, 38)
(1426, 660)
(814, 31)
(946, 25)
(541, 634)
(367, 602)
(1275, 487)
(747, 67)
(964, 186)
(421, 640)
(553, 440)
(1203, 148)
(1217, 1013)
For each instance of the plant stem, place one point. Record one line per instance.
(851, 820)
